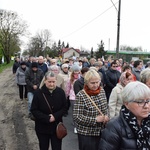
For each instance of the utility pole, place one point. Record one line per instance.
(118, 30)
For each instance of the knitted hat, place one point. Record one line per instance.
(34, 65)
(75, 68)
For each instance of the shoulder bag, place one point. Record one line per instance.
(103, 125)
(93, 103)
(61, 130)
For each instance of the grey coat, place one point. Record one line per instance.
(20, 76)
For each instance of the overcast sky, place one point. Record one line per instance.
(84, 23)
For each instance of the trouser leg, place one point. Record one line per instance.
(44, 140)
(88, 142)
(25, 91)
(21, 91)
(55, 142)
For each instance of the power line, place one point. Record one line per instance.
(89, 21)
(114, 5)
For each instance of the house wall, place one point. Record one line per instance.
(70, 53)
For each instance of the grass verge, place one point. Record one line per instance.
(5, 66)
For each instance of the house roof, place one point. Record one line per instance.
(64, 50)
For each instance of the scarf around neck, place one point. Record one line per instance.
(142, 133)
(92, 92)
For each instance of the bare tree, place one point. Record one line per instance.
(39, 43)
(44, 37)
(11, 28)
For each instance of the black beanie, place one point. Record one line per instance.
(23, 63)
(34, 64)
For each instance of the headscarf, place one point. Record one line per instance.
(123, 78)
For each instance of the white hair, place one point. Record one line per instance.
(135, 90)
(54, 67)
(145, 75)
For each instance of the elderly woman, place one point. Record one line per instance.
(131, 129)
(55, 69)
(20, 80)
(145, 77)
(45, 119)
(115, 99)
(90, 112)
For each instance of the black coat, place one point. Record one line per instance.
(112, 78)
(78, 85)
(33, 78)
(41, 111)
(15, 66)
(117, 136)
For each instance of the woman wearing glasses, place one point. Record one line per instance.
(112, 78)
(131, 129)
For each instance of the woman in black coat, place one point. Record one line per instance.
(45, 120)
(131, 129)
(112, 78)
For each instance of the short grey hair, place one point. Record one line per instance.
(135, 90)
(52, 67)
(145, 75)
(90, 74)
(48, 74)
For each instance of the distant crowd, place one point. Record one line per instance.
(70, 80)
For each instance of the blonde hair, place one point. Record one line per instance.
(90, 74)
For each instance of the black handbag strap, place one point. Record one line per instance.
(47, 103)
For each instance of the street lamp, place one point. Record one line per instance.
(118, 30)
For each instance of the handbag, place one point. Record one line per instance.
(61, 130)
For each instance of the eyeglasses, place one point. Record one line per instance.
(115, 66)
(141, 103)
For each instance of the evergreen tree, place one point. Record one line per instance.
(100, 51)
(67, 46)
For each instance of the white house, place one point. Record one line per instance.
(70, 52)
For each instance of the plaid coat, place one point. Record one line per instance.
(85, 112)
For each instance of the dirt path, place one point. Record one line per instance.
(16, 130)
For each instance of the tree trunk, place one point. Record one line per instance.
(7, 59)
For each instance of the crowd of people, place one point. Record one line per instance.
(109, 100)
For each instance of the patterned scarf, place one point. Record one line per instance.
(142, 133)
(92, 92)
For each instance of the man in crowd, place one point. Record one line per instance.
(42, 65)
(33, 78)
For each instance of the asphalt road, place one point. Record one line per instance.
(70, 142)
